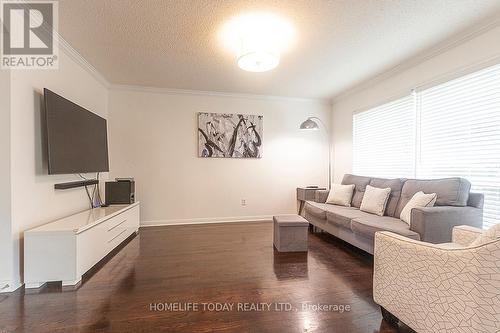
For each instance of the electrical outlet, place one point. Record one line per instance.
(243, 202)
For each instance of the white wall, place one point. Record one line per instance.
(471, 54)
(34, 200)
(153, 137)
(6, 243)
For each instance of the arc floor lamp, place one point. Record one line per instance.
(311, 123)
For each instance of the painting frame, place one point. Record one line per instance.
(230, 135)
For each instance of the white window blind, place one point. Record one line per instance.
(449, 130)
(384, 140)
(460, 135)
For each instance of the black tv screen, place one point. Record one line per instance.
(77, 140)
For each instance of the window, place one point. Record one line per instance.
(460, 135)
(384, 140)
(452, 129)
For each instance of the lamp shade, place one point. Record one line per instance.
(309, 124)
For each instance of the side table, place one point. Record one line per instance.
(306, 193)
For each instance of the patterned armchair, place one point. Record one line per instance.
(432, 288)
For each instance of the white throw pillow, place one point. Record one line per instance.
(340, 195)
(375, 200)
(487, 236)
(419, 199)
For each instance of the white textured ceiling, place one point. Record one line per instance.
(174, 44)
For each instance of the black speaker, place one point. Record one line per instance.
(120, 192)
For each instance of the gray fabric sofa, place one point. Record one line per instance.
(455, 205)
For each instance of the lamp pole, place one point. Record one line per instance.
(328, 138)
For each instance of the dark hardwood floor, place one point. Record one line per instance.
(218, 263)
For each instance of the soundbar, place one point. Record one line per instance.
(80, 183)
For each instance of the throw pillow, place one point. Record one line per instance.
(340, 195)
(375, 200)
(489, 235)
(419, 199)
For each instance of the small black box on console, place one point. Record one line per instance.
(121, 191)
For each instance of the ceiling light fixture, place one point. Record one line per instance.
(257, 40)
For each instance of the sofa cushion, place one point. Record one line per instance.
(367, 226)
(316, 209)
(360, 183)
(450, 191)
(396, 186)
(340, 195)
(419, 199)
(375, 200)
(342, 216)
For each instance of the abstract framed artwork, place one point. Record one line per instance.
(229, 135)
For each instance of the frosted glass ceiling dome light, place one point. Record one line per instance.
(257, 40)
(258, 61)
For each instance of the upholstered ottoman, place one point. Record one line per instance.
(290, 233)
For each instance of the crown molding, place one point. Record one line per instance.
(170, 91)
(421, 57)
(74, 54)
(79, 59)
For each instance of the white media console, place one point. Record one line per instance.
(65, 249)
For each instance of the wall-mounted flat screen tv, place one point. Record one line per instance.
(77, 140)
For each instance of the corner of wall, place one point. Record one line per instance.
(33, 200)
(6, 239)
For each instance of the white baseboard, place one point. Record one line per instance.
(205, 220)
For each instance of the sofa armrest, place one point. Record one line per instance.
(476, 200)
(400, 263)
(435, 224)
(412, 279)
(321, 196)
(465, 235)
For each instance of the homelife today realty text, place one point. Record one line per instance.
(247, 307)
